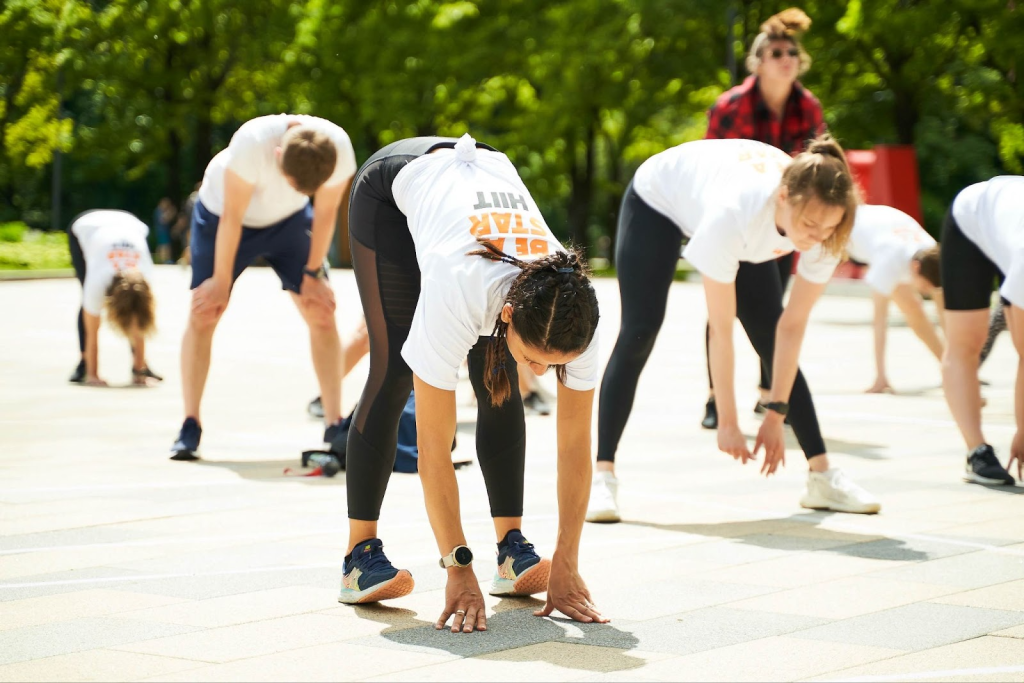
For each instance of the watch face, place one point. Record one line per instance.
(463, 556)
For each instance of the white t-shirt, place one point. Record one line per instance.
(721, 195)
(991, 214)
(111, 241)
(886, 239)
(251, 155)
(450, 198)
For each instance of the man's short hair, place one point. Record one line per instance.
(308, 157)
(930, 265)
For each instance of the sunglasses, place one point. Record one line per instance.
(777, 53)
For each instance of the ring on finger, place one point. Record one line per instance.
(461, 612)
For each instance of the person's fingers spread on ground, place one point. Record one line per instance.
(457, 620)
(470, 622)
(481, 621)
(440, 623)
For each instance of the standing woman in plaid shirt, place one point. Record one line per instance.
(770, 106)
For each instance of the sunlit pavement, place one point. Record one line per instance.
(119, 564)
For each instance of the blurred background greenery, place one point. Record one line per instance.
(124, 102)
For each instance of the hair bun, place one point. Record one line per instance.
(787, 23)
(465, 149)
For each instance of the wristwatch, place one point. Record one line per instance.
(780, 407)
(460, 556)
(318, 274)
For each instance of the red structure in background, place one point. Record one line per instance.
(886, 175)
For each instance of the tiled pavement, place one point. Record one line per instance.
(118, 564)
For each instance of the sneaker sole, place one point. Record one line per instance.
(812, 503)
(185, 456)
(972, 478)
(398, 587)
(604, 517)
(533, 580)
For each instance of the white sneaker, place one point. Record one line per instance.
(603, 493)
(833, 490)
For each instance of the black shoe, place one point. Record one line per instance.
(316, 408)
(78, 376)
(983, 467)
(534, 404)
(710, 420)
(188, 441)
(336, 438)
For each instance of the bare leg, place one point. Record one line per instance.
(325, 347)
(360, 530)
(138, 352)
(195, 360)
(355, 348)
(503, 525)
(965, 333)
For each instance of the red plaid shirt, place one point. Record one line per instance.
(741, 112)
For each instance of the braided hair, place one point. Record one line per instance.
(554, 308)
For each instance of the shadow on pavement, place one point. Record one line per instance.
(777, 534)
(511, 629)
(858, 449)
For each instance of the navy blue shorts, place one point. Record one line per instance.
(284, 245)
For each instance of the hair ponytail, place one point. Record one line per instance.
(822, 172)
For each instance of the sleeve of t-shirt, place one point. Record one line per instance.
(715, 248)
(246, 152)
(1012, 288)
(84, 229)
(886, 272)
(581, 373)
(440, 336)
(345, 167)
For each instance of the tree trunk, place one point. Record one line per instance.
(203, 149)
(581, 196)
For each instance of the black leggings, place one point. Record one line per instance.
(785, 266)
(388, 277)
(646, 250)
(78, 262)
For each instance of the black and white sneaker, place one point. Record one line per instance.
(316, 408)
(983, 467)
(534, 404)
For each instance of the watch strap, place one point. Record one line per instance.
(780, 407)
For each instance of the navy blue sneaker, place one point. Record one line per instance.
(370, 577)
(521, 571)
(188, 441)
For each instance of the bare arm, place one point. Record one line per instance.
(210, 298)
(325, 215)
(1015, 322)
(566, 590)
(92, 334)
(789, 336)
(237, 195)
(880, 326)
(721, 299)
(910, 304)
(435, 429)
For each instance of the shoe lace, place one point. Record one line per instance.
(375, 560)
(988, 457)
(843, 483)
(518, 548)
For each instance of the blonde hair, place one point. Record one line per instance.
(822, 172)
(787, 25)
(308, 157)
(130, 304)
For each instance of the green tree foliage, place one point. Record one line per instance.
(577, 92)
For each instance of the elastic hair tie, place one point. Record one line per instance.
(566, 270)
